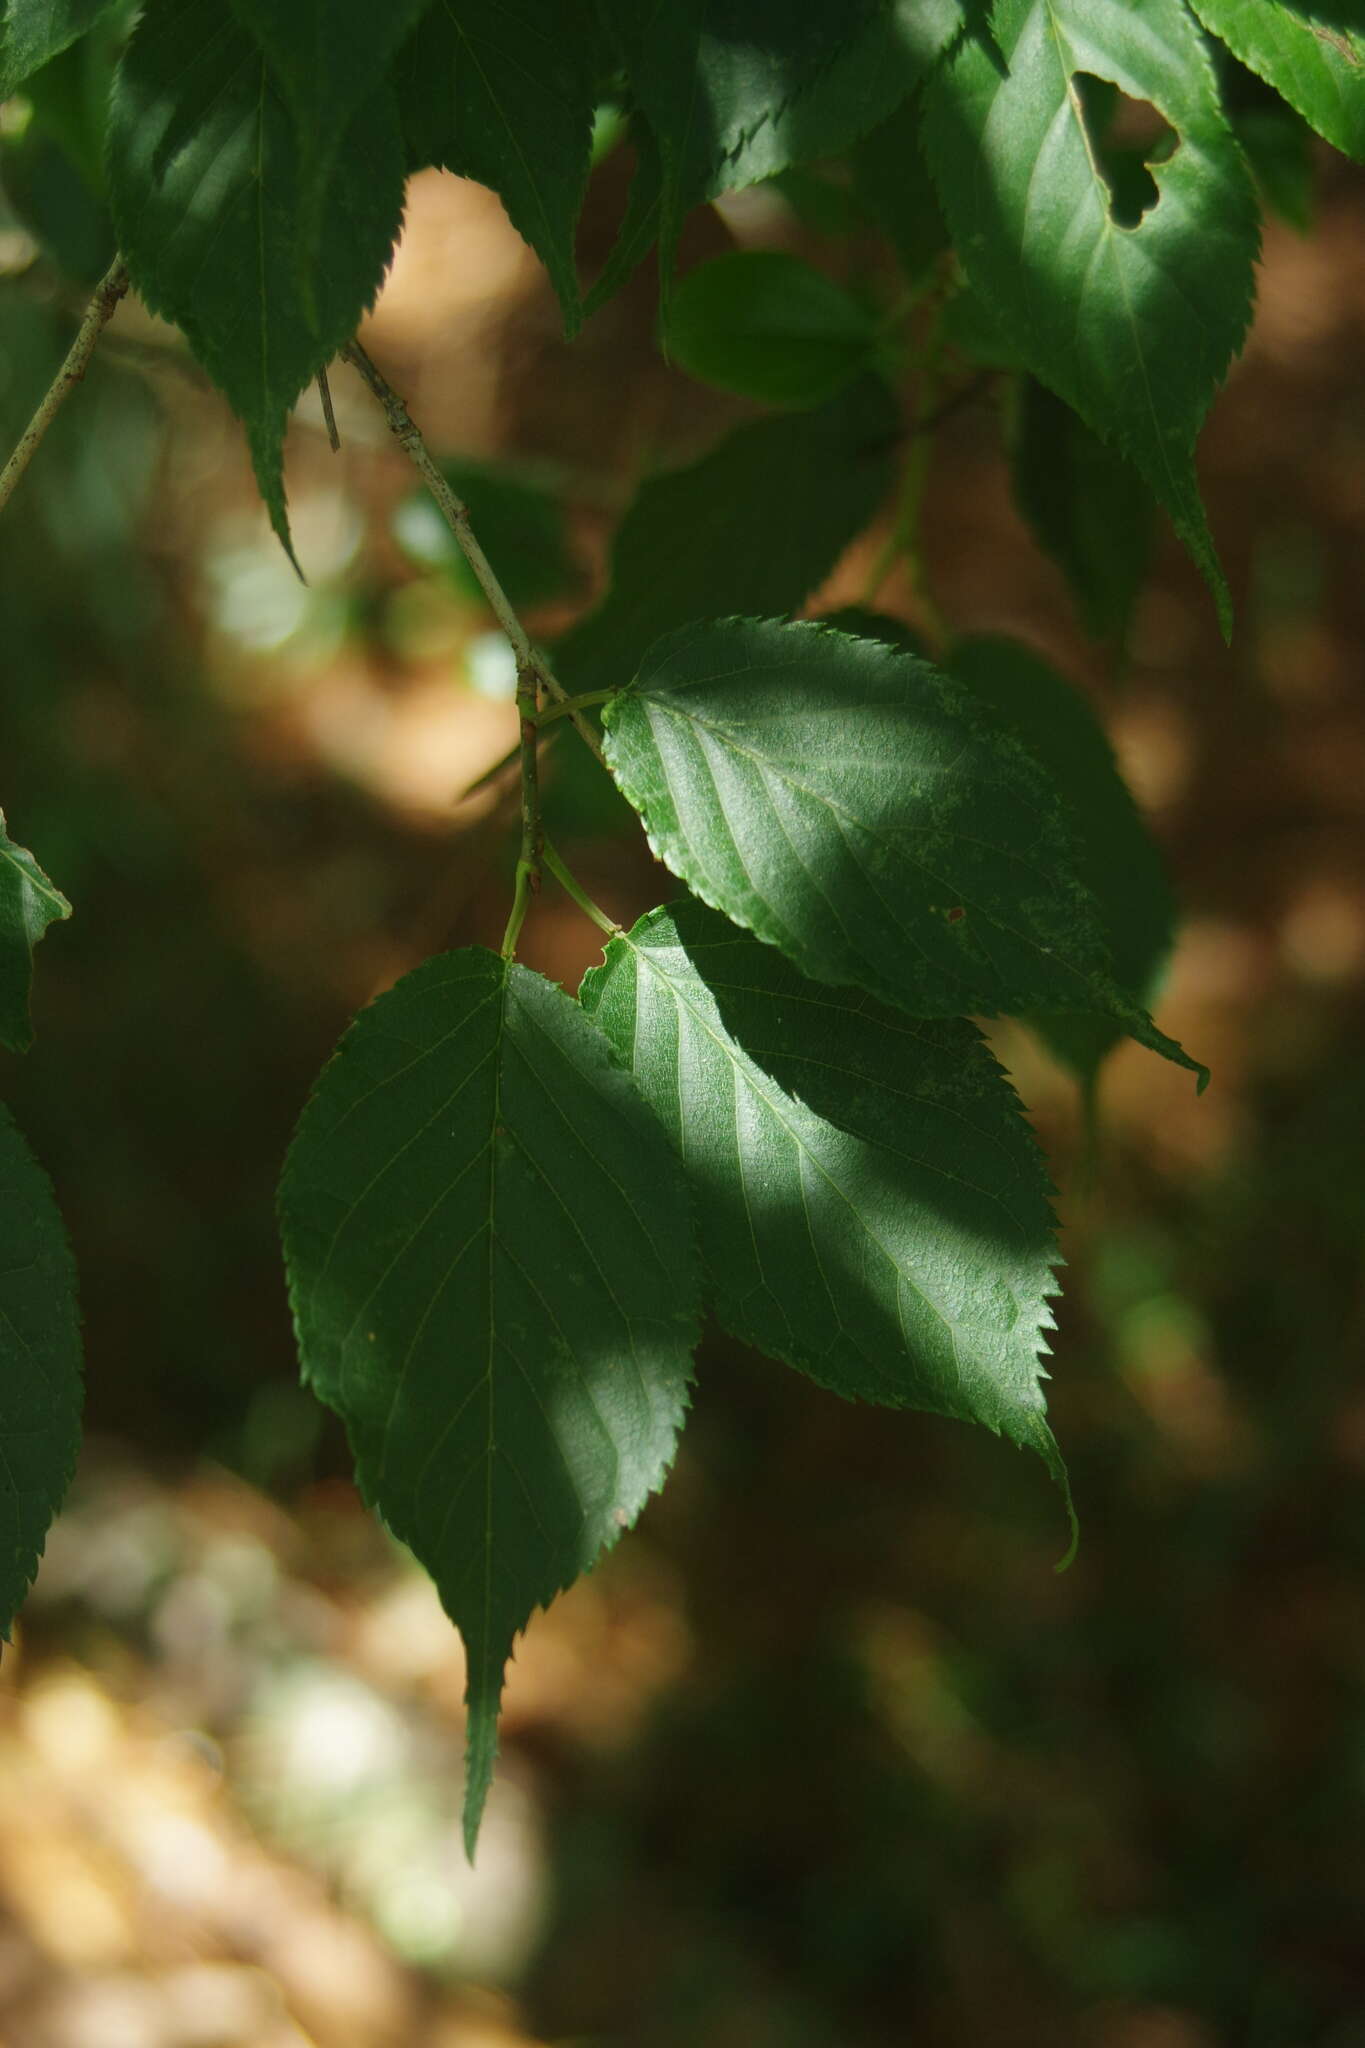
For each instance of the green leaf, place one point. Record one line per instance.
(1310, 56)
(1087, 506)
(28, 905)
(768, 325)
(1133, 326)
(504, 91)
(708, 74)
(891, 178)
(32, 32)
(40, 1367)
(756, 525)
(205, 182)
(326, 57)
(1115, 856)
(490, 1260)
(1279, 146)
(871, 1205)
(521, 528)
(869, 76)
(859, 809)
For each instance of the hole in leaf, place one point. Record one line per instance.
(1126, 136)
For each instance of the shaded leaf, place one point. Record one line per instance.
(860, 809)
(326, 56)
(871, 1205)
(1312, 55)
(708, 74)
(205, 184)
(1116, 858)
(490, 1261)
(1087, 506)
(40, 1367)
(891, 178)
(757, 524)
(1134, 326)
(768, 325)
(504, 91)
(28, 905)
(32, 32)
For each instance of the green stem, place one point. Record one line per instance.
(529, 857)
(580, 896)
(903, 541)
(570, 705)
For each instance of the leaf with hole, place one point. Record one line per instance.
(863, 811)
(28, 905)
(1134, 326)
(205, 181)
(40, 1367)
(871, 1205)
(769, 325)
(490, 1260)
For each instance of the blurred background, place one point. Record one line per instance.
(824, 1755)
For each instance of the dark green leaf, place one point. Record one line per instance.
(871, 1205)
(326, 57)
(205, 182)
(1088, 507)
(34, 31)
(708, 74)
(874, 69)
(504, 91)
(764, 323)
(1279, 147)
(40, 1367)
(1133, 325)
(28, 905)
(1314, 59)
(1115, 856)
(520, 526)
(891, 178)
(490, 1258)
(860, 809)
(757, 524)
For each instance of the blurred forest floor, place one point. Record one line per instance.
(824, 1756)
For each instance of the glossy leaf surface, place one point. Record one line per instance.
(871, 1204)
(863, 811)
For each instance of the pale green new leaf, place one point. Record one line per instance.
(1133, 326)
(871, 1205)
(861, 810)
(28, 905)
(490, 1259)
(1312, 55)
(756, 525)
(40, 1367)
(503, 91)
(33, 32)
(205, 183)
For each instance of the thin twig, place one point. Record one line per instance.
(329, 417)
(98, 313)
(456, 515)
(528, 859)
